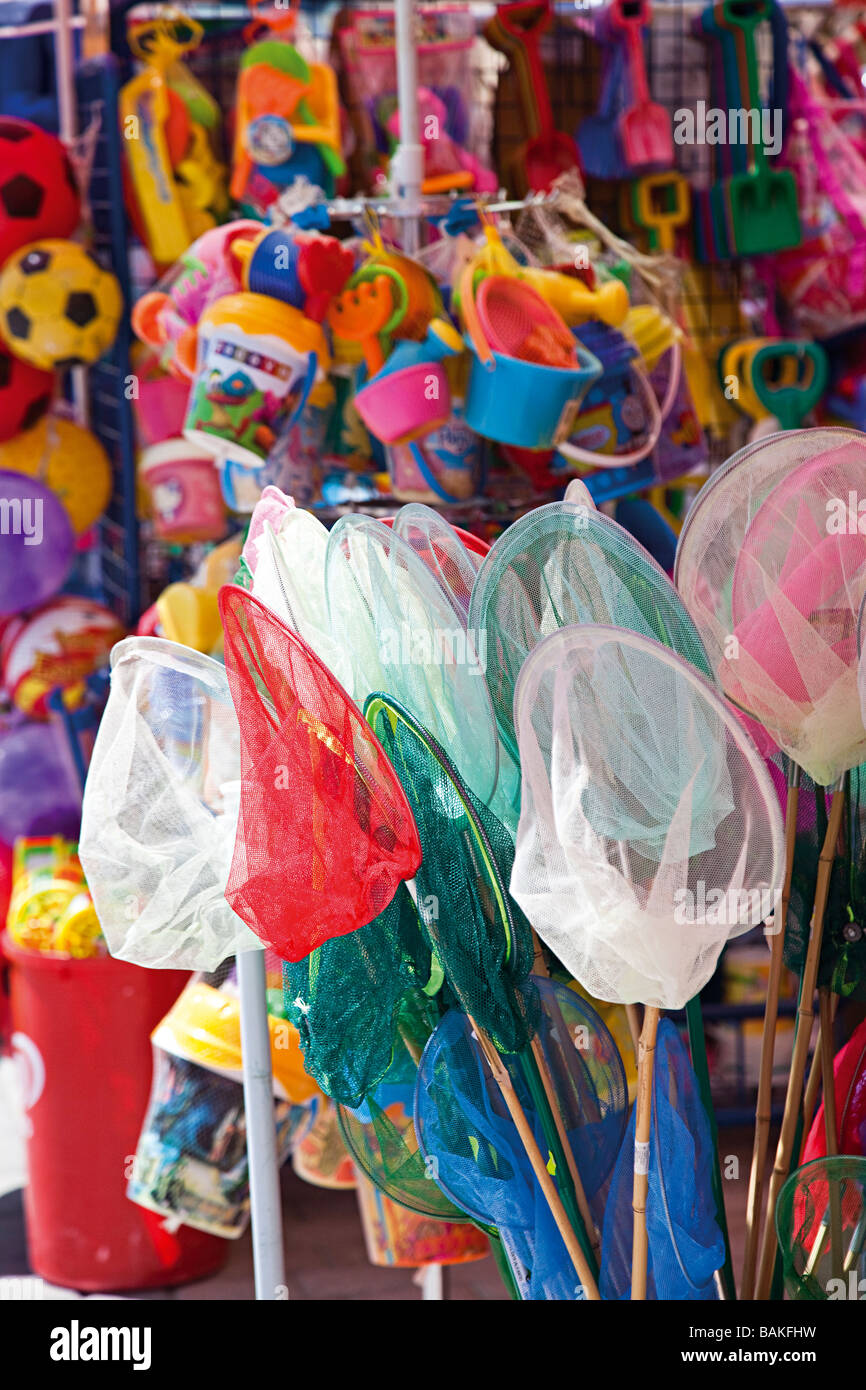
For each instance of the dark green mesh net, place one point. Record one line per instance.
(475, 929)
(380, 1134)
(344, 999)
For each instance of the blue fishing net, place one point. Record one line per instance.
(685, 1244)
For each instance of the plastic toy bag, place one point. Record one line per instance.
(366, 51)
(823, 280)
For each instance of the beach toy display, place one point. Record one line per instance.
(252, 353)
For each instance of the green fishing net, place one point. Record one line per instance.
(380, 1133)
(481, 938)
(821, 1223)
(562, 564)
(345, 997)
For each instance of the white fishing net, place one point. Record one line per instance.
(650, 832)
(772, 566)
(391, 616)
(289, 578)
(160, 809)
(436, 542)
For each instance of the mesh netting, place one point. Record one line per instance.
(289, 577)
(381, 1138)
(324, 831)
(387, 609)
(436, 542)
(589, 1084)
(821, 1224)
(567, 563)
(686, 1246)
(480, 936)
(649, 831)
(160, 809)
(345, 998)
(469, 1140)
(772, 566)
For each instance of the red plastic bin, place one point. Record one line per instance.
(81, 1030)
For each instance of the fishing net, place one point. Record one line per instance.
(649, 831)
(387, 609)
(380, 1136)
(345, 999)
(566, 563)
(686, 1246)
(436, 542)
(772, 566)
(289, 577)
(324, 833)
(160, 809)
(821, 1224)
(589, 1083)
(479, 935)
(469, 1140)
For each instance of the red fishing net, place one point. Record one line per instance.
(325, 833)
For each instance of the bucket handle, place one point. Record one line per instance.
(470, 314)
(309, 381)
(429, 476)
(657, 416)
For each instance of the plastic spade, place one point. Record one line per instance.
(661, 203)
(598, 135)
(551, 152)
(763, 202)
(790, 401)
(645, 128)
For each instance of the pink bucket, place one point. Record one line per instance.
(160, 409)
(184, 490)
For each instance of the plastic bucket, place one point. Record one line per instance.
(252, 352)
(184, 490)
(522, 403)
(397, 1238)
(399, 406)
(82, 1038)
(160, 409)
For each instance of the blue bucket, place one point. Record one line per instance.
(524, 403)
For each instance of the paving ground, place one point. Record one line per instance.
(326, 1257)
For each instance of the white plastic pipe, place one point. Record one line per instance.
(408, 163)
(266, 1212)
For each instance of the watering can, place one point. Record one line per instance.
(410, 396)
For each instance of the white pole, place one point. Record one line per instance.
(266, 1213)
(408, 163)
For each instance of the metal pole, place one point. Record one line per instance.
(408, 162)
(266, 1213)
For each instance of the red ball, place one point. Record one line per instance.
(38, 193)
(25, 394)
